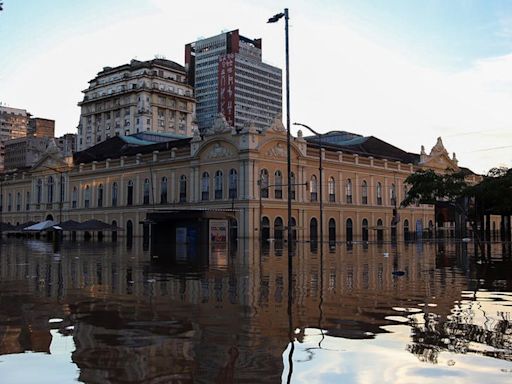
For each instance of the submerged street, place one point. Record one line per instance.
(102, 312)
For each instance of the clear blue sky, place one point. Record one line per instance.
(404, 71)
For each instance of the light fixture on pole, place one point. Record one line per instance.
(320, 170)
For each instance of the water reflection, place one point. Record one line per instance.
(133, 320)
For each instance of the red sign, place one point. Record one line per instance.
(226, 87)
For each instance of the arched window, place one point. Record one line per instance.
(313, 188)
(233, 184)
(18, 201)
(129, 230)
(313, 230)
(364, 192)
(129, 193)
(348, 191)
(74, 198)
(39, 191)
(114, 194)
(183, 188)
(219, 185)
(278, 181)
(292, 185)
(163, 190)
(100, 195)
(50, 189)
(87, 197)
(278, 229)
(364, 228)
(145, 196)
(332, 232)
(264, 183)
(27, 202)
(348, 229)
(205, 186)
(392, 195)
(379, 193)
(331, 186)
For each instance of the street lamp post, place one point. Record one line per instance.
(320, 170)
(274, 19)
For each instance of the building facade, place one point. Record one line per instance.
(229, 77)
(124, 179)
(140, 96)
(13, 124)
(41, 127)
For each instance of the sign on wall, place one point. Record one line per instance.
(226, 87)
(218, 231)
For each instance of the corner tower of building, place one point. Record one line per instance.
(230, 77)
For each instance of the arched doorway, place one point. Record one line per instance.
(265, 230)
(313, 230)
(129, 232)
(332, 232)
(406, 230)
(49, 217)
(348, 231)
(364, 228)
(114, 230)
(380, 230)
(278, 229)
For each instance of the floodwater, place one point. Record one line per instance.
(92, 312)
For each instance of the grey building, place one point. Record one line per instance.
(230, 78)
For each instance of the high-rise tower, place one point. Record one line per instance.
(229, 77)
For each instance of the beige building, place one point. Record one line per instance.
(242, 173)
(136, 97)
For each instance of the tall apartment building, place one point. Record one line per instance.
(41, 127)
(140, 96)
(229, 77)
(13, 124)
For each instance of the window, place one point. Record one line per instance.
(278, 181)
(331, 186)
(233, 184)
(87, 197)
(379, 193)
(364, 228)
(264, 183)
(364, 192)
(39, 191)
(74, 198)
(392, 195)
(183, 188)
(100, 195)
(348, 191)
(332, 232)
(129, 193)
(219, 181)
(27, 202)
(18, 201)
(145, 198)
(114, 194)
(163, 190)
(314, 188)
(9, 202)
(205, 186)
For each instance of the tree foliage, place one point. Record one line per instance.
(427, 187)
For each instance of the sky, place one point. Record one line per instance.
(405, 71)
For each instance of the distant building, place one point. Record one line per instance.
(13, 124)
(25, 151)
(230, 78)
(41, 127)
(140, 96)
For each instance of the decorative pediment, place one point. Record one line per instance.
(438, 159)
(219, 126)
(277, 151)
(219, 151)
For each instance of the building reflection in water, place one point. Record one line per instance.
(136, 321)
